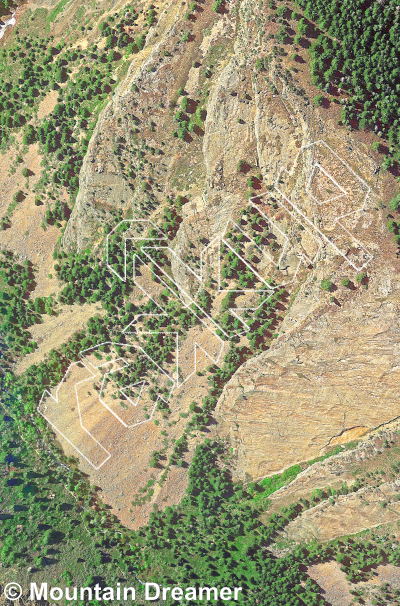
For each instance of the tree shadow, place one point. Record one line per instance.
(191, 106)
(245, 167)
(305, 43)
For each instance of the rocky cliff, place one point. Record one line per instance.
(332, 373)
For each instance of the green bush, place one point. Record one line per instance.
(302, 27)
(394, 203)
(318, 100)
(217, 6)
(282, 34)
(326, 284)
(29, 136)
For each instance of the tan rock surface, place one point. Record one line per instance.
(333, 373)
(336, 589)
(365, 456)
(350, 514)
(333, 582)
(337, 372)
(102, 186)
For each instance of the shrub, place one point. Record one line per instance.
(150, 17)
(282, 34)
(182, 133)
(326, 284)
(140, 42)
(29, 135)
(394, 204)
(217, 6)
(184, 103)
(345, 282)
(318, 100)
(302, 27)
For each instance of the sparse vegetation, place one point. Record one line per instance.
(219, 534)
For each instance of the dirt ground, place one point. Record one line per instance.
(336, 589)
(333, 583)
(25, 237)
(57, 329)
(126, 470)
(47, 105)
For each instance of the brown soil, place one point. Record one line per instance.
(57, 329)
(333, 583)
(127, 470)
(25, 237)
(335, 588)
(47, 105)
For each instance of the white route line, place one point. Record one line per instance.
(344, 192)
(324, 237)
(46, 393)
(155, 242)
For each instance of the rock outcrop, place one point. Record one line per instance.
(103, 187)
(337, 371)
(348, 515)
(333, 372)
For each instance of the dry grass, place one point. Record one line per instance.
(57, 329)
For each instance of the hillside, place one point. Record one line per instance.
(199, 282)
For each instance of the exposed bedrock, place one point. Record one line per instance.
(326, 381)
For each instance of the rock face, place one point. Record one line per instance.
(103, 185)
(333, 373)
(362, 507)
(350, 514)
(339, 370)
